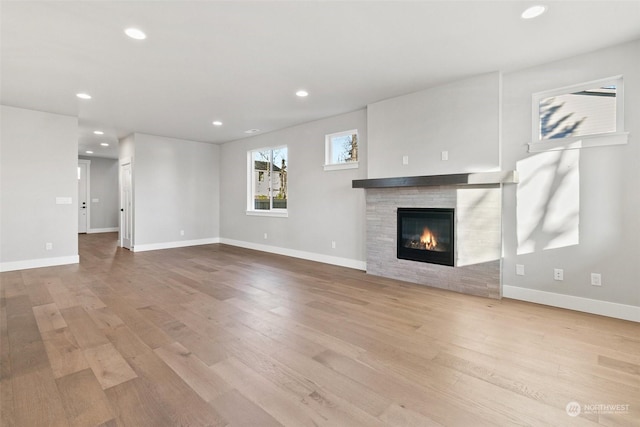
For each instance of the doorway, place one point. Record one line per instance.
(84, 176)
(126, 205)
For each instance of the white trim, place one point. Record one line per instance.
(601, 140)
(103, 230)
(340, 166)
(587, 305)
(39, 263)
(311, 256)
(273, 212)
(178, 244)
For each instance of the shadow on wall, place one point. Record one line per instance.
(548, 201)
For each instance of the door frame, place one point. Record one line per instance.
(88, 191)
(122, 163)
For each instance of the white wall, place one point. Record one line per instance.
(176, 187)
(38, 162)
(578, 209)
(462, 118)
(322, 205)
(103, 187)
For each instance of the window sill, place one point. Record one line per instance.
(340, 166)
(618, 138)
(276, 214)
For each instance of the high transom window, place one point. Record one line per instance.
(583, 115)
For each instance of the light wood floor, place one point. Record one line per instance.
(217, 335)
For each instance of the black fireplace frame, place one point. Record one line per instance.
(442, 258)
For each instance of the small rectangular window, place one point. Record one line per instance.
(588, 114)
(341, 150)
(267, 176)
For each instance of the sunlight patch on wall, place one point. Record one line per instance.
(548, 201)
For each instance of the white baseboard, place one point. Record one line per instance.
(178, 244)
(102, 230)
(326, 259)
(39, 263)
(587, 305)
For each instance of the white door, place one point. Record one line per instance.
(126, 211)
(83, 195)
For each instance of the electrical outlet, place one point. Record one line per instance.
(405, 160)
(333, 244)
(444, 155)
(520, 269)
(182, 232)
(265, 236)
(48, 246)
(558, 274)
(596, 279)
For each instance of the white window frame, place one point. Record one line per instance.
(328, 151)
(251, 210)
(616, 137)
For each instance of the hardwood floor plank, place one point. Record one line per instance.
(64, 353)
(26, 349)
(183, 405)
(39, 294)
(287, 410)
(84, 330)
(397, 415)
(150, 334)
(61, 294)
(193, 371)
(371, 402)
(104, 318)
(109, 367)
(204, 347)
(241, 412)
(36, 400)
(126, 342)
(620, 365)
(83, 399)
(135, 406)
(49, 317)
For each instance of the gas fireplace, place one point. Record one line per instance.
(426, 235)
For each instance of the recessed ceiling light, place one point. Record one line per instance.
(252, 131)
(302, 93)
(89, 152)
(135, 33)
(217, 123)
(533, 11)
(83, 95)
(98, 132)
(104, 144)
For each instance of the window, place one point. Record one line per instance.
(341, 150)
(267, 181)
(584, 115)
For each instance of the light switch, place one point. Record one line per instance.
(64, 200)
(405, 160)
(444, 155)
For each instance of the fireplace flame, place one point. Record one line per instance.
(428, 239)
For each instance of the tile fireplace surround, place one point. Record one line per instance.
(477, 200)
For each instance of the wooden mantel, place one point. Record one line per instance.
(480, 178)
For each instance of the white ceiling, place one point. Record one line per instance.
(241, 62)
